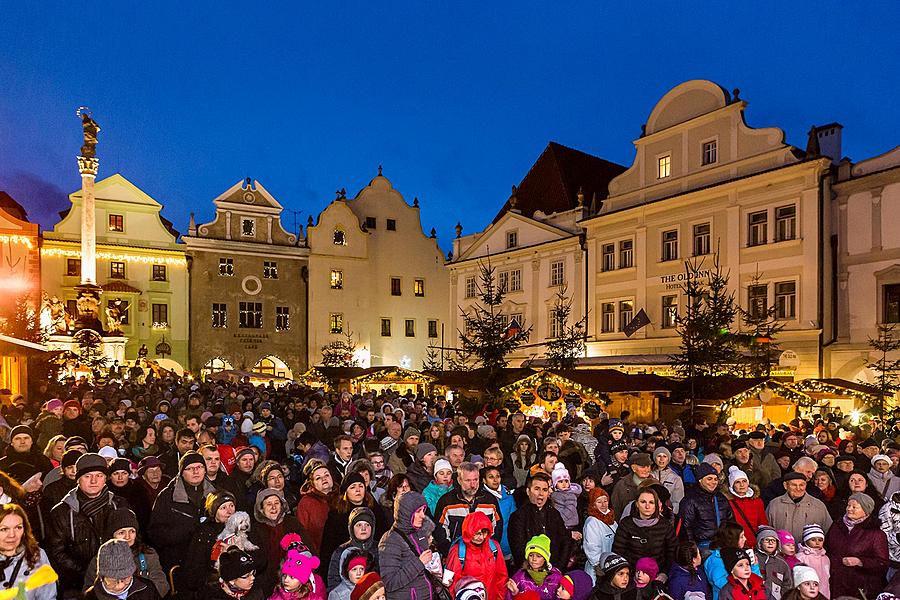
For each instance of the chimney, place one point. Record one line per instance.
(829, 137)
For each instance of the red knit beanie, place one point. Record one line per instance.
(366, 587)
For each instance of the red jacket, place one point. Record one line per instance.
(750, 513)
(480, 561)
(312, 511)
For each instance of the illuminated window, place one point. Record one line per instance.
(226, 267)
(419, 288)
(786, 299)
(670, 245)
(664, 166)
(710, 152)
(396, 287)
(219, 315)
(160, 313)
(250, 315)
(336, 322)
(117, 270)
(669, 311)
(410, 328)
(159, 273)
(785, 223)
(282, 318)
(608, 257)
(626, 313)
(626, 254)
(270, 269)
(339, 238)
(557, 273)
(608, 319)
(701, 239)
(337, 279)
(73, 266)
(471, 288)
(116, 223)
(758, 233)
(512, 239)
(432, 328)
(386, 328)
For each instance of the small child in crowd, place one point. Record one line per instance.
(812, 554)
(440, 485)
(353, 564)
(565, 498)
(537, 574)
(743, 583)
(614, 579)
(576, 585)
(807, 587)
(645, 572)
(788, 548)
(774, 569)
(299, 581)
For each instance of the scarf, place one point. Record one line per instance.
(749, 493)
(537, 576)
(608, 517)
(92, 506)
(851, 523)
(828, 493)
(121, 595)
(645, 522)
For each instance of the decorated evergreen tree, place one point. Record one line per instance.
(564, 350)
(887, 370)
(487, 336)
(340, 352)
(432, 360)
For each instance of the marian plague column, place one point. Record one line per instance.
(88, 291)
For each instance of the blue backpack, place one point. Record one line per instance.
(461, 552)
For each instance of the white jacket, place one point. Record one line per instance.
(597, 541)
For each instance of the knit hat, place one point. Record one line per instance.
(647, 565)
(299, 566)
(190, 458)
(766, 531)
(245, 450)
(875, 458)
(662, 450)
(423, 449)
(214, 502)
(469, 588)
(73, 404)
(616, 424)
(731, 557)
(75, 440)
(114, 560)
(560, 473)
(148, 462)
(611, 563)
(120, 518)
(258, 428)
(802, 574)
(617, 447)
(53, 404)
(120, 464)
(247, 426)
(703, 470)
(21, 430)
(539, 544)
(442, 464)
(410, 432)
(358, 514)
(234, 563)
(785, 537)
(864, 500)
(89, 463)
(357, 561)
(108, 452)
(735, 474)
(713, 459)
(366, 587)
(350, 479)
(567, 584)
(70, 458)
(812, 530)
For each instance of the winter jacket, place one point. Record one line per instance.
(267, 537)
(768, 466)
(418, 476)
(753, 590)
(141, 589)
(818, 560)
(716, 573)
(597, 540)
(702, 513)
(673, 483)
(604, 591)
(402, 573)
(453, 508)
(507, 505)
(28, 463)
(889, 515)
(370, 546)
(528, 521)
(198, 561)
(656, 541)
(749, 513)
(148, 565)
(625, 491)
(880, 481)
(484, 562)
(73, 539)
(312, 510)
(433, 493)
(776, 574)
(214, 591)
(681, 581)
(867, 542)
(45, 592)
(784, 513)
(344, 588)
(174, 518)
(46, 427)
(547, 589)
(336, 531)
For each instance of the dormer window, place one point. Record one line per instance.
(664, 166)
(248, 227)
(512, 239)
(710, 152)
(339, 238)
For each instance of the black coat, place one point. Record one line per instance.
(336, 531)
(657, 541)
(73, 539)
(698, 514)
(141, 589)
(197, 562)
(529, 521)
(173, 521)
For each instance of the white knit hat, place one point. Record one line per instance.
(442, 464)
(734, 474)
(803, 573)
(878, 457)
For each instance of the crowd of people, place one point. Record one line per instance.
(179, 488)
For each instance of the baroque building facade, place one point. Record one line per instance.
(248, 287)
(141, 268)
(374, 274)
(20, 259)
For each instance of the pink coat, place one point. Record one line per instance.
(319, 592)
(818, 560)
(546, 591)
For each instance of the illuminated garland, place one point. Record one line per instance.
(393, 374)
(820, 387)
(17, 239)
(138, 258)
(533, 381)
(784, 391)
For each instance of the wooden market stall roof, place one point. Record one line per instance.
(365, 374)
(13, 345)
(237, 375)
(840, 387)
(474, 380)
(613, 380)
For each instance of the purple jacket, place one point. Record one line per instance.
(547, 590)
(866, 542)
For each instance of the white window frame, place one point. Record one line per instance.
(607, 257)
(512, 239)
(754, 240)
(470, 288)
(703, 151)
(779, 223)
(557, 273)
(694, 238)
(668, 314)
(623, 264)
(620, 313)
(664, 242)
(665, 156)
(611, 314)
(786, 315)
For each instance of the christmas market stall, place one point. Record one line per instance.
(237, 376)
(467, 388)
(14, 355)
(838, 397)
(331, 379)
(591, 391)
(396, 379)
(755, 400)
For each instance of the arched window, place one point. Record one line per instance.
(340, 238)
(215, 365)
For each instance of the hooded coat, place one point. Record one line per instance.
(266, 535)
(749, 512)
(681, 581)
(312, 510)
(484, 562)
(867, 542)
(402, 573)
(344, 587)
(335, 575)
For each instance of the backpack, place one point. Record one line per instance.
(461, 552)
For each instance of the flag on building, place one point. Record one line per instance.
(512, 330)
(640, 320)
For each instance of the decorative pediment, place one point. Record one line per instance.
(529, 232)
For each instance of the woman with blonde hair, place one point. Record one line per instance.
(20, 555)
(55, 449)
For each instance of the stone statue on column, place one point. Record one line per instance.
(91, 129)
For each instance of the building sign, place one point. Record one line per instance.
(674, 282)
(250, 341)
(789, 358)
(549, 392)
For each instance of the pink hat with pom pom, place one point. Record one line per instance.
(299, 566)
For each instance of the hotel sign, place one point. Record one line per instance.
(674, 282)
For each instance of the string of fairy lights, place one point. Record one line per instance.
(174, 261)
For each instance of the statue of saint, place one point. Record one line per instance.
(91, 129)
(114, 318)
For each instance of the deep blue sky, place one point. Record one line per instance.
(456, 100)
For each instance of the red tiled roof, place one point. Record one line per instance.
(552, 183)
(119, 287)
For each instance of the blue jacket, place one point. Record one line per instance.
(685, 471)
(681, 582)
(507, 506)
(716, 573)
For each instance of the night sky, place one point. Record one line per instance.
(455, 99)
